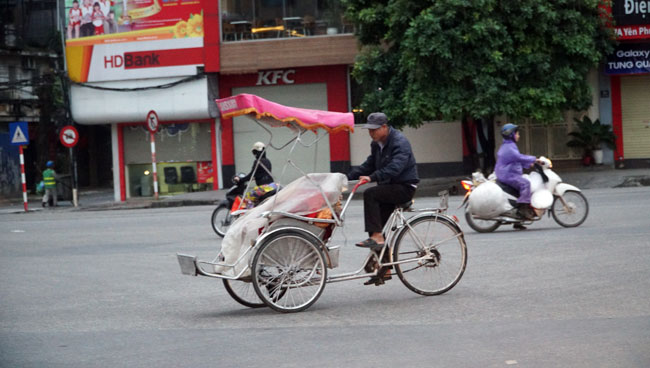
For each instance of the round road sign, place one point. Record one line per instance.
(69, 136)
(152, 121)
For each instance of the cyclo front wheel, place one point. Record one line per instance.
(289, 271)
(434, 253)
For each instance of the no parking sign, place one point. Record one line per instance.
(69, 136)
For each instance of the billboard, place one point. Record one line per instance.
(133, 39)
(629, 58)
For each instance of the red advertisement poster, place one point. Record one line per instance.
(133, 39)
(204, 172)
(90, 22)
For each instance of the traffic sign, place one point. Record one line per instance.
(152, 121)
(19, 133)
(69, 136)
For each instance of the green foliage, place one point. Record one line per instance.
(590, 134)
(431, 59)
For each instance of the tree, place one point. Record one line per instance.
(475, 59)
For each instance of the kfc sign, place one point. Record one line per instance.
(275, 76)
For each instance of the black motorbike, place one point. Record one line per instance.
(222, 216)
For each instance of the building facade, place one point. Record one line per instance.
(625, 92)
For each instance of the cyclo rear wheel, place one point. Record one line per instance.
(243, 293)
(438, 252)
(289, 271)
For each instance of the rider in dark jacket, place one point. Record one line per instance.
(263, 173)
(265, 186)
(391, 165)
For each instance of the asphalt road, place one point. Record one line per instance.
(103, 289)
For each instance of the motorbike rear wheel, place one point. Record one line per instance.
(480, 225)
(221, 219)
(576, 211)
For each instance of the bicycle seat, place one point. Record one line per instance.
(405, 205)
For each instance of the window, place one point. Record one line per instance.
(263, 19)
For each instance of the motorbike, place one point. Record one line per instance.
(229, 209)
(490, 203)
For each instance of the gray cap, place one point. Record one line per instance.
(375, 120)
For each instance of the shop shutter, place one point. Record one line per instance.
(635, 103)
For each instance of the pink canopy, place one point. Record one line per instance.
(280, 115)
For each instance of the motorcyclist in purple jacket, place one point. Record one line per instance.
(510, 165)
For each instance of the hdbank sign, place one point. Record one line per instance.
(629, 59)
(133, 39)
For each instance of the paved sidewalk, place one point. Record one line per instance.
(102, 199)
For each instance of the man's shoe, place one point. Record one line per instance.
(370, 243)
(519, 226)
(381, 277)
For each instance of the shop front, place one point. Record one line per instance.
(321, 88)
(628, 69)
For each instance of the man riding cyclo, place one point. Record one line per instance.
(392, 166)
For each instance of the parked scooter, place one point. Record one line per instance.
(490, 203)
(229, 209)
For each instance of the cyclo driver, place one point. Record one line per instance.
(392, 166)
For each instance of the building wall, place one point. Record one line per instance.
(437, 147)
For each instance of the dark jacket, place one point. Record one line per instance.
(261, 175)
(394, 164)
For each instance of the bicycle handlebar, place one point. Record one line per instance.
(360, 183)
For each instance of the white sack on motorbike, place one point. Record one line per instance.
(541, 199)
(487, 200)
(536, 182)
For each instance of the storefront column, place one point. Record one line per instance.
(115, 148)
(617, 117)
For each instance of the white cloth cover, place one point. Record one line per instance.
(487, 200)
(300, 197)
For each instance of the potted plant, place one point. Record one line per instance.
(590, 135)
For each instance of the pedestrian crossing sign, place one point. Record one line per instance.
(19, 133)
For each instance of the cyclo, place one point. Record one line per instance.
(279, 253)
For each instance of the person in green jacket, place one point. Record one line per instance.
(50, 183)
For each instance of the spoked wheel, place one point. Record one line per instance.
(574, 213)
(221, 219)
(289, 271)
(243, 293)
(438, 252)
(479, 225)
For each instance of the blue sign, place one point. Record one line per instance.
(19, 133)
(629, 58)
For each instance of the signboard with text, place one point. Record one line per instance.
(133, 39)
(629, 58)
(632, 18)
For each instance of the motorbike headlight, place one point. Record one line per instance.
(550, 163)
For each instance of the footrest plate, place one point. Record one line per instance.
(187, 263)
